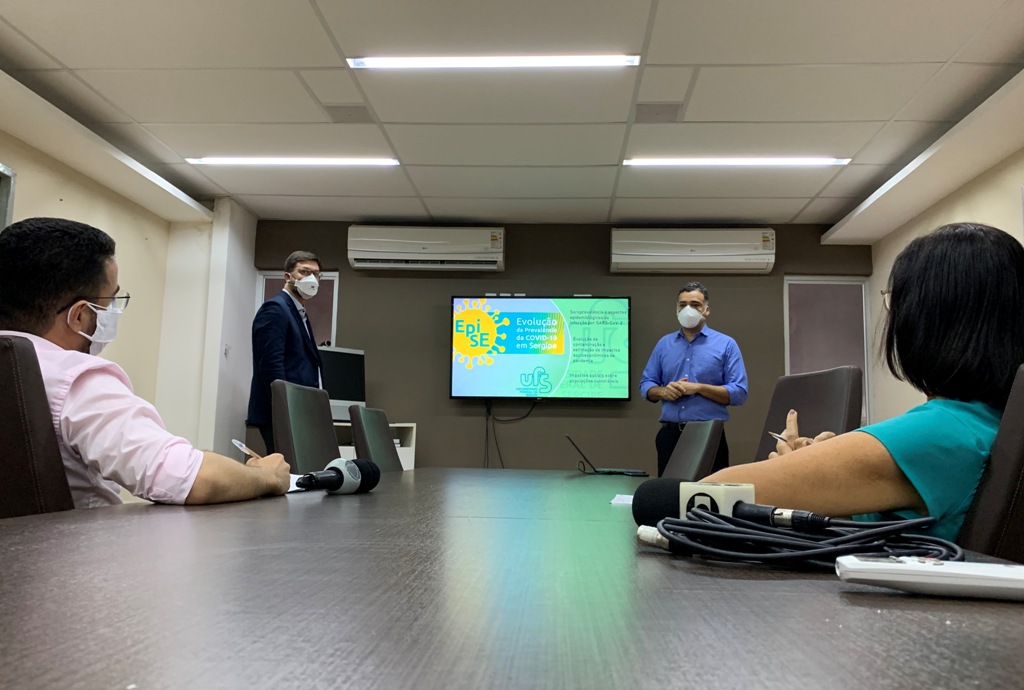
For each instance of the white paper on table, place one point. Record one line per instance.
(622, 500)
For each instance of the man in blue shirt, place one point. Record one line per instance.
(695, 373)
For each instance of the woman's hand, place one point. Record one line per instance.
(793, 439)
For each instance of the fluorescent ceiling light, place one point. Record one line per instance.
(494, 61)
(229, 160)
(740, 162)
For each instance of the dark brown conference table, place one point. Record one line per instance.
(453, 578)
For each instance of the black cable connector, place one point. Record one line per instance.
(800, 520)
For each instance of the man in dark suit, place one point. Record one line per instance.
(282, 341)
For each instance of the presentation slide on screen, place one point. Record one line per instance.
(540, 347)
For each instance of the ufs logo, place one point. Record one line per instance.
(702, 501)
(476, 330)
(538, 379)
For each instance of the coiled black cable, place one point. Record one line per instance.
(728, 538)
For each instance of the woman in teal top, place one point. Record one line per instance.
(954, 329)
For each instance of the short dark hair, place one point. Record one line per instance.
(694, 286)
(955, 327)
(45, 263)
(295, 257)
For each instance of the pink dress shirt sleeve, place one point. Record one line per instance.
(121, 436)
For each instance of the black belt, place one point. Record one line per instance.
(671, 425)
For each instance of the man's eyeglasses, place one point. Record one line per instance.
(887, 299)
(305, 273)
(118, 302)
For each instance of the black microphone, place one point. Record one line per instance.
(342, 476)
(657, 499)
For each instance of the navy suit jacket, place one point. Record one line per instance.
(281, 349)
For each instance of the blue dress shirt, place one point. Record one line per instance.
(712, 357)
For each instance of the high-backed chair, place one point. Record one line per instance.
(372, 436)
(30, 464)
(827, 400)
(995, 522)
(694, 454)
(303, 426)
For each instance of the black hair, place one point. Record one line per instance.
(295, 257)
(955, 327)
(46, 264)
(694, 286)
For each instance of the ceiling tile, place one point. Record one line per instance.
(812, 31)
(705, 210)
(723, 182)
(504, 145)
(513, 96)
(1000, 41)
(332, 86)
(193, 141)
(16, 52)
(68, 93)
(326, 181)
(826, 211)
(955, 91)
(838, 139)
(899, 142)
(800, 93)
(207, 95)
(102, 34)
(518, 210)
(513, 182)
(355, 209)
(664, 84)
(859, 180)
(137, 143)
(471, 27)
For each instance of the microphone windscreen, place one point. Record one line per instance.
(370, 473)
(655, 500)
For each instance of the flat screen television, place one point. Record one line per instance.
(540, 347)
(344, 379)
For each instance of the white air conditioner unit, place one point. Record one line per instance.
(388, 247)
(693, 251)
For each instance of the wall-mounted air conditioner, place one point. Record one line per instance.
(408, 248)
(693, 252)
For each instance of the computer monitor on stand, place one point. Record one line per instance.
(344, 379)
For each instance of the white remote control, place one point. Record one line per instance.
(932, 576)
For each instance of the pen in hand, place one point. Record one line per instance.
(777, 437)
(245, 449)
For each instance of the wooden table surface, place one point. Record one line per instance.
(453, 578)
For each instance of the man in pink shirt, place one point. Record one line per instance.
(58, 281)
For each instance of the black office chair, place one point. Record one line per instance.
(695, 451)
(828, 400)
(34, 481)
(372, 436)
(303, 426)
(995, 522)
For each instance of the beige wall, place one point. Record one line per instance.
(993, 198)
(46, 187)
(401, 320)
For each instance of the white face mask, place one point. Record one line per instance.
(307, 286)
(106, 327)
(689, 317)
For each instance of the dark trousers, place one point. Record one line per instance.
(666, 441)
(267, 432)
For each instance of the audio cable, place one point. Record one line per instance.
(769, 535)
